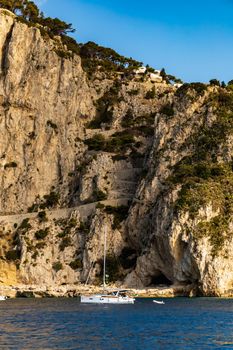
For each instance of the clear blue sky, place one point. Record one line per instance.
(190, 39)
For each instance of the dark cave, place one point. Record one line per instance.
(160, 279)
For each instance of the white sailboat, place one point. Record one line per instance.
(108, 297)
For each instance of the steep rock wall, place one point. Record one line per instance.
(52, 157)
(169, 237)
(44, 102)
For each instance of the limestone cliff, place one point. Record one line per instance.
(79, 155)
(44, 103)
(182, 221)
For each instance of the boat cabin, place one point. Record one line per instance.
(121, 292)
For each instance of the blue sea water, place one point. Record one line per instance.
(182, 323)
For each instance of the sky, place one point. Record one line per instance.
(192, 40)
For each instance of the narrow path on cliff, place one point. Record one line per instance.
(84, 211)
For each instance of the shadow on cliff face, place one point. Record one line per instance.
(160, 279)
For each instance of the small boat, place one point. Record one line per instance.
(158, 302)
(2, 297)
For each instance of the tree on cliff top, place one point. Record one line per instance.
(23, 8)
(29, 12)
(94, 55)
(56, 26)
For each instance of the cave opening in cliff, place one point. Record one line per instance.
(160, 279)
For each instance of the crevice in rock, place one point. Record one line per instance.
(5, 49)
(61, 70)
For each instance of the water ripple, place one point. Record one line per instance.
(49, 324)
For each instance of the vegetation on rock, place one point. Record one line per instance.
(204, 179)
(57, 266)
(151, 94)
(99, 195)
(186, 88)
(119, 214)
(25, 226)
(104, 107)
(168, 110)
(30, 13)
(13, 255)
(107, 59)
(76, 264)
(10, 165)
(66, 242)
(41, 234)
(117, 143)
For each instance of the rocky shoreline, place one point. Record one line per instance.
(70, 291)
(32, 291)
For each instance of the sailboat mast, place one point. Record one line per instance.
(105, 246)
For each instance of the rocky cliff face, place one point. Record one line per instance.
(144, 161)
(181, 223)
(44, 103)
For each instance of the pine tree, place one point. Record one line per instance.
(7, 4)
(56, 26)
(30, 11)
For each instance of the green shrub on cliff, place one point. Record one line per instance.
(52, 125)
(13, 255)
(96, 143)
(117, 143)
(66, 242)
(84, 227)
(28, 13)
(119, 213)
(23, 8)
(168, 110)
(42, 216)
(41, 234)
(25, 225)
(57, 266)
(120, 140)
(150, 94)
(76, 264)
(215, 82)
(10, 165)
(199, 88)
(99, 195)
(51, 199)
(217, 229)
(128, 119)
(137, 122)
(104, 107)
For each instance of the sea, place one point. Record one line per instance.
(181, 323)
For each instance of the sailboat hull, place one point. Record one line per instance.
(106, 299)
